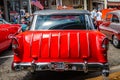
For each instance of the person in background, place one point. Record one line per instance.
(93, 14)
(23, 24)
(27, 17)
(1, 13)
(98, 18)
(15, 19)
(22, 12)
(99, 15)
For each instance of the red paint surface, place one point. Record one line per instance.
(5, 31)
(60, 46)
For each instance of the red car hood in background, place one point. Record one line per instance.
(61, 45)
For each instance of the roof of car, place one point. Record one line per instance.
(115, 12)
(54, 12)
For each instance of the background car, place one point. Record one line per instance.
(104, 12)
(6, 30)
(111, 27)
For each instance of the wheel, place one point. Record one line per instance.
(116, 42)
(105, 74)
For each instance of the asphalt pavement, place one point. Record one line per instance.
(7, 74)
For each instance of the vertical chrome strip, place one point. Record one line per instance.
(88, 44)
(49, 43)
(34, 22)
(59, 44)
(32, 37)
(68, 36)
(40, 41)
(78, 39)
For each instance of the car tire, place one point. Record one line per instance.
(116, 42)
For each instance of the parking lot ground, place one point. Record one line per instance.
(7, 74)
(112, 76)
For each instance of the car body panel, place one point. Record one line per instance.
(105, 11)
(112, 28)
(6, 30)
(49, 46)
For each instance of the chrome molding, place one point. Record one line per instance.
(71, 66)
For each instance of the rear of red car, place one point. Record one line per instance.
(61, 42)
(61, 50)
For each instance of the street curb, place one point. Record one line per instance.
(9, 56)
(115, 69)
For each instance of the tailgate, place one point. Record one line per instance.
(60, 46)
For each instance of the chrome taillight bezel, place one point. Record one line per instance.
(15, 45)
(105, 44)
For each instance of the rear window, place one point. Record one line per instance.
(63, 22)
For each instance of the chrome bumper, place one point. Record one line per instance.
(66, 66)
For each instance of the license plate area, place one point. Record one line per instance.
(58, 65)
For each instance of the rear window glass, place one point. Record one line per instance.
(63, 22)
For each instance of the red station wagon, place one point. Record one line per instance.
(61, 40)
(6, 30)
(111, 27)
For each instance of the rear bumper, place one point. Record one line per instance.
(67, 66)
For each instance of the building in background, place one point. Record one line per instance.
(13, 7)
(2, 9)
(113, 4)
(98, 4)
(83, 4)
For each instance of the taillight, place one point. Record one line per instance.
(105, 44)
(15, 45)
